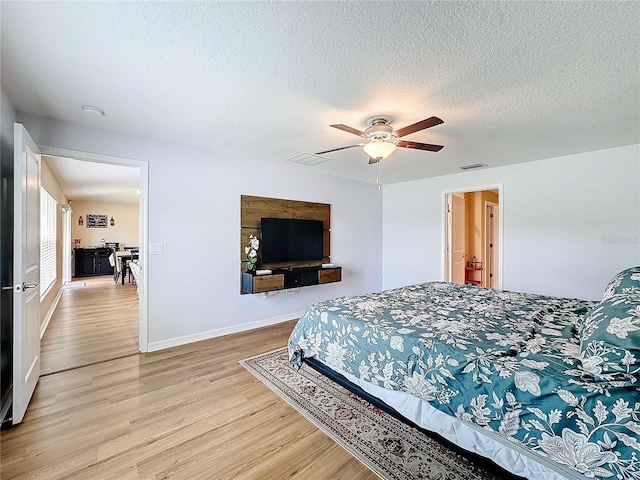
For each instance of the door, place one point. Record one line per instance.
(103, 264)
(26, 271)
(492, 243)
(458, 237)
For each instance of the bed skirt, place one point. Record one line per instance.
(486, 443)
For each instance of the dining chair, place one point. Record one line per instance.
(115, 262)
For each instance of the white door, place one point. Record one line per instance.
(26, 271)
(458, 236)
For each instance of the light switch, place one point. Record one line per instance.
(155, 249)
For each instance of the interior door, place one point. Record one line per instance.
(458, 236)
(26, 271)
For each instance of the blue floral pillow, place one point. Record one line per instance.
(627, 281)
(610, 341)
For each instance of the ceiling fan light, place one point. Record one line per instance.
(379, 149)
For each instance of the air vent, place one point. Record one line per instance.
(472, 166)
(309, 159)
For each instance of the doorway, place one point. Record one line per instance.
(142, 169)
(66, 244)
(26, 321)
(472, 237)
(6, 280)
(94, 319)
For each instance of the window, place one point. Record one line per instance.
(48, 240)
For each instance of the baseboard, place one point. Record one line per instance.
(197, 337)
(47, 319)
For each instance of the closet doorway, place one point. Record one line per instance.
(473, 246)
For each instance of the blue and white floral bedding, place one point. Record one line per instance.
(528, 367)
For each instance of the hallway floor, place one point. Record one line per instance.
(91, 324)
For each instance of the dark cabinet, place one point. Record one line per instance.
(93, 261)
(281, 279)
(85, 263)
(104, 266)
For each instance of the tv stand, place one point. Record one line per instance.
(286, 277)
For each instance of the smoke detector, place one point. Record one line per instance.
(92, 111)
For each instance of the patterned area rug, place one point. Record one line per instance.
(389, 447)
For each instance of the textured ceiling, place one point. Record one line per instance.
(513, 81)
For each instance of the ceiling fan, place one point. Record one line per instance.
(383, 139)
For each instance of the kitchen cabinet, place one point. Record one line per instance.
(92, 261)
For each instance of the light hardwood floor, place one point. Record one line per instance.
(92, 324)
(190, 412)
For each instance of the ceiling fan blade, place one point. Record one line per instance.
(420, 146)
(349, 130)
(427, 123)
(373, 161)
(336, 149)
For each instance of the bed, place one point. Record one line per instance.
(545, 387)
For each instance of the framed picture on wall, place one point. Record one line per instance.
(96, 221)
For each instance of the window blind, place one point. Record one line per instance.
(48, 241)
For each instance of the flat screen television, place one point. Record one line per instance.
(290, 240)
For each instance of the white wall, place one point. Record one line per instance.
(194, 211)
(570, 223)
(49, 182)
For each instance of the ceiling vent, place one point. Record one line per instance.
(309, 159)
(472, 166)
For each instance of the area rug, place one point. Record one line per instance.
(389, 447)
